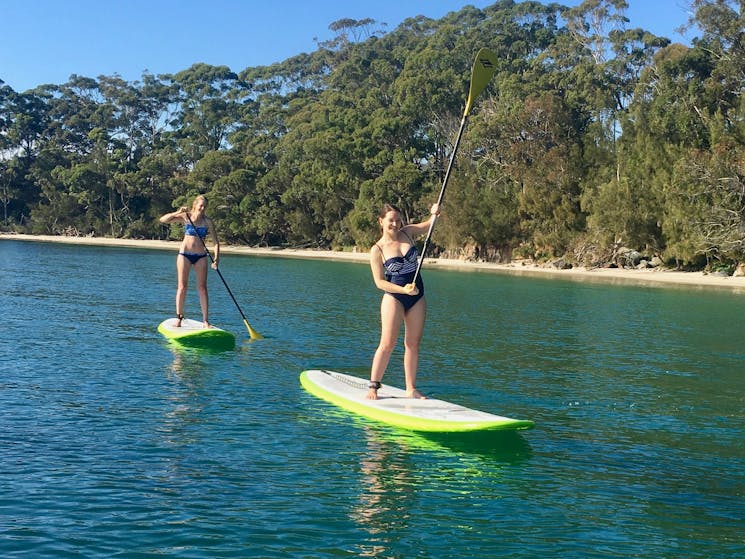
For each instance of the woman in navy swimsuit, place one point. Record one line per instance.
(393, 260)
(192, 253)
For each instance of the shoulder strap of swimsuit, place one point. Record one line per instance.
(382, 254)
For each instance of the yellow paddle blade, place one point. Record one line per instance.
(251, 332)
(483, 69)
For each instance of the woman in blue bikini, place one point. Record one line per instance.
(192, 254)
(393, 260)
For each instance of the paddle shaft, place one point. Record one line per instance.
(441, 196)
(482, 71)
(253, 333)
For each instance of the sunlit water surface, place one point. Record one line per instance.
(115, 443)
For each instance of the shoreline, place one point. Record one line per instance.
(646, 277)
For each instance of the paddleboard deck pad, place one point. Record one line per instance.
(395, 408)
(192, 333)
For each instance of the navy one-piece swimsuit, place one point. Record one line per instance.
(400, 270)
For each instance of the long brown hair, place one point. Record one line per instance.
(388, 208)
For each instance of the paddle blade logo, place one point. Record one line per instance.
(483, 69)
(487, 62)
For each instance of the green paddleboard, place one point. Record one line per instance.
(192, 333)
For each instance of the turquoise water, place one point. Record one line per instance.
(114, 443)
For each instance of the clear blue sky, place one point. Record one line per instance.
(45, 41)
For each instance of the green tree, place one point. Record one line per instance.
(209, 100)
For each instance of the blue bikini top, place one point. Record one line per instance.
(192, 231)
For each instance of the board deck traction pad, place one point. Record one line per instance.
(395, 408)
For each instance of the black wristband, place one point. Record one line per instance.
(374, 384)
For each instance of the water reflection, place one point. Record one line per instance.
(398, 466)
(507, 447)
(385, 498)
(185, 395)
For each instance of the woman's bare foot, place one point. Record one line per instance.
(179, 318)
(414, 393)
(372, 389)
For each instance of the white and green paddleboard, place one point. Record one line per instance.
(395, 408)
(192, 333)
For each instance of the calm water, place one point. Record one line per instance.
(114, 443)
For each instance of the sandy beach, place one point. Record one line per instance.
(648, 277)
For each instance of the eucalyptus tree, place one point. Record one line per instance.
(275, 94)
(319, 161)
(152, 173)
(136, 117)
(75, 108)
(209, 99)
(6, 100)
(524, 149)
(7, 194)
(28, 120)
(722, 23)
(68, 116)
(622, 205)
(590, 68)
(705, 198)
(83, 139)
(343, 136)
(393, 140)
(683, 140)
(415, 113)
(24, 122)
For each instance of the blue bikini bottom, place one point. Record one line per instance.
(193, 257)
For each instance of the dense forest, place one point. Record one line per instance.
(593, 138)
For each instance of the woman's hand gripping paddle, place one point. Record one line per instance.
(483, 69)
(251, 332)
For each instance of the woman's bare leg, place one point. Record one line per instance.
(182, 273)
(200, 268)
(391, 316)
(414, 324)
